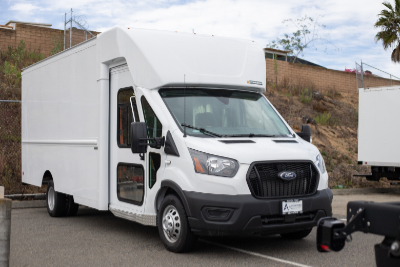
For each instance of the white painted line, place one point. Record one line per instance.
(256, 254)
(345, 220)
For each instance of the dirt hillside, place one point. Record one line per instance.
(333, 118)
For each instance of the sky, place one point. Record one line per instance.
(349, 23)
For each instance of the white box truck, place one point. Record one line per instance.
(170, 130)
(378, 124)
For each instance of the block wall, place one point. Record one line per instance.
(322, 79)
(39, 39)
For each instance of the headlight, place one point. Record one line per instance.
(320, 163)
(213, 165)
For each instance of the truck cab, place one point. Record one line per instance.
(219, 161)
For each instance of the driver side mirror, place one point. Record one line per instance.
(138, 133)
(305, 133)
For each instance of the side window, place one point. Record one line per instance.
(125, 116)
(154, 126)
(130, 183)
(154, 165)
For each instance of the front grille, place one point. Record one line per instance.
(264, 182)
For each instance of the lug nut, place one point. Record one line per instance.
(394, 247)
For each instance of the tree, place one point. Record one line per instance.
(389, 24)
(307, 36)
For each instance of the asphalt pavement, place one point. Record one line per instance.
(97, 238)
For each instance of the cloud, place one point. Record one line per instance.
(26, 8)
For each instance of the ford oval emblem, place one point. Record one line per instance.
(287, 176)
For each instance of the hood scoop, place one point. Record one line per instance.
(236, 141)
(285, 141)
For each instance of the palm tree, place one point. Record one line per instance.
(389, 22)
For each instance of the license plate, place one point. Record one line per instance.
(292, 206)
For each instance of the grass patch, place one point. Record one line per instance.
(305, 96)
(332, 93)
(325, 119)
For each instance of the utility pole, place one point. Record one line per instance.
(65, 22)
(70, 32)
(362, 75)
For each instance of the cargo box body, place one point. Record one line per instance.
(378, 143)
(61, 119)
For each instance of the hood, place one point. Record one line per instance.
(261, 149)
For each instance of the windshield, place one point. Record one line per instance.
(224, 113)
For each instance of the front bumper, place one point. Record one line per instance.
(213, 214)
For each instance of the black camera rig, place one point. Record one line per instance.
(368, 217)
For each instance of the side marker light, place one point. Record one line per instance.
(199, 168)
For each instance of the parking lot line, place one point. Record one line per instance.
(256, 254)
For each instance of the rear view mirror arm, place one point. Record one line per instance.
(159, 141)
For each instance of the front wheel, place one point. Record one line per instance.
(297, 235)
(173, 226)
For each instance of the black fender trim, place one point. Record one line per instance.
(168, 183)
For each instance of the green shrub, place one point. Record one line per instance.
(305, 96)
(325, 119)
(11, 73)
(34, 56)
(12, 61)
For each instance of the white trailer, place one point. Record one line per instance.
(170, 130)
(378, 125)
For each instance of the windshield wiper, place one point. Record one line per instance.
(202, 130)
(250, 135)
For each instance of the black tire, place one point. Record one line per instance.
(297, 235)
(185, 240)
(56, 207)
(72, 207)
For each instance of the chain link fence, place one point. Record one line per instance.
(10, 145)
(370, 76)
